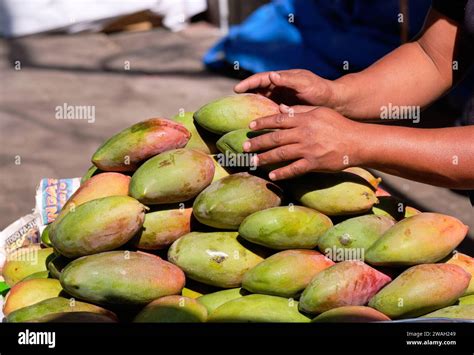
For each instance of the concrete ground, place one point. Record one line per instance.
(165, 75)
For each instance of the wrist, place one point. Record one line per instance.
(341, 95)
(366, 144)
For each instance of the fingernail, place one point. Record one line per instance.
(253, 124)
(246, 146)
(272, 176)
(275, 75)
(284, 108)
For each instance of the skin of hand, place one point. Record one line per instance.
(313, 138)
(321, 139)
(291, 87)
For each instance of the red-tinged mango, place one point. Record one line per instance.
(99, 186)
(234, 112)
(128, 148)
(351, 314)
(173, 176)
(421, 239)
(172, 309)
(121, 277)
(467, 263)
(285, 274)
(421, 289)
(161, 228)
(228, 201)
(26, 293)
(348, 283)
(98, 225)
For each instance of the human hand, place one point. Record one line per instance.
(316, 140)
(291, 87)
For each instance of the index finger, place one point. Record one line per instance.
(256, 81)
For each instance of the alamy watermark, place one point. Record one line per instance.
(234, 160)
(75, 112)
(342, 254)
(396, 112)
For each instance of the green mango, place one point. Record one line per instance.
(98, 225)
(37, 275)
(421, 239)
(389, 206)
(421, 289)
(216, 258)
(52, 306)
(128, 148)
(285, 274)
(351, 314)
(466, 299)
(75, 317)
(227, 202)
(26, 293)
(216, 299)
(219, 171)
(24, 262)
(92, 171)
(234, 112)
(183, 173)
(334, 194)
(172, 309)
(465, 311)
(366, 175)
(286, 227)
(187, 292)
(232, 142)
(467, 263)
(196, 142)
(348, 283)
(352, 236)
(45, 236)
(411, 211)
(258, 309)
(56, 265)
(121, 277)
(162, 228)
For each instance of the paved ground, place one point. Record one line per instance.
(165, 75)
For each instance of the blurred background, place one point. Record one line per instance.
(132, 60)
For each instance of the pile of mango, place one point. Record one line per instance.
(159, 231)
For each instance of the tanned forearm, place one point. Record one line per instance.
(442, 157)
(415, 74)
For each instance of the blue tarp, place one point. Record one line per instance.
(318, 35)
